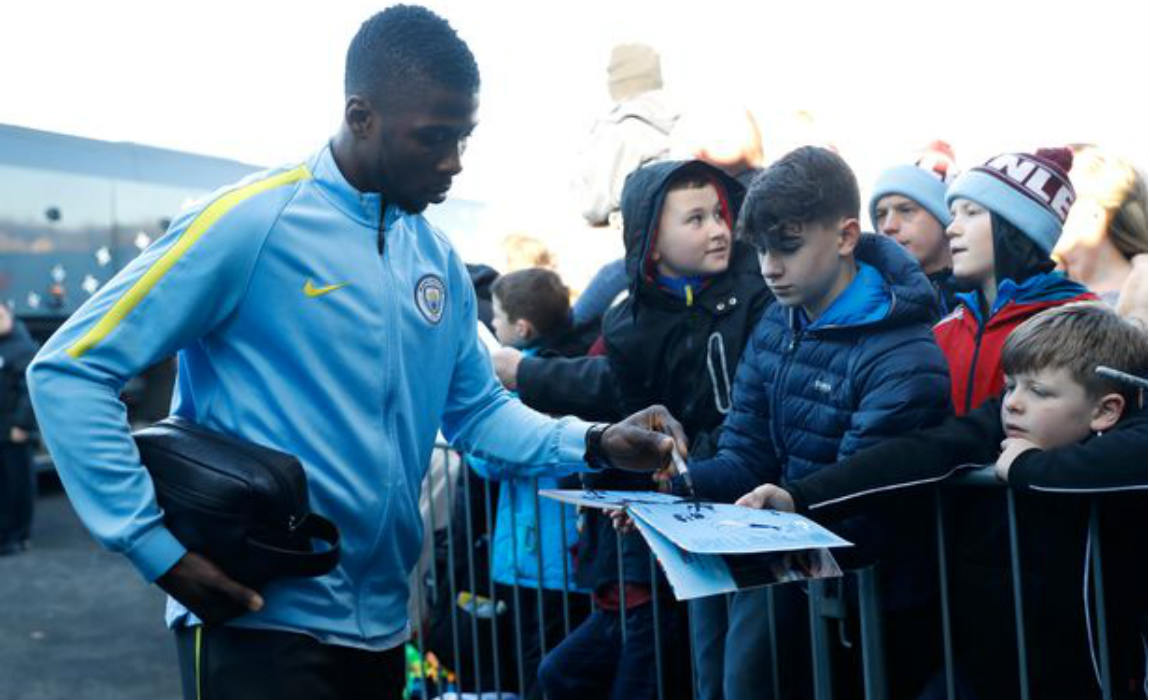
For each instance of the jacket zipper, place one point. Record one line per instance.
(973, 368)
(780, 377)
(190, 497)
(776, 430)
(385, 272)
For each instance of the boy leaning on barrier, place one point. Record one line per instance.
(1059, 432)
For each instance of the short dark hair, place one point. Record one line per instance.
(405, 46)
(689, 177)
(537, 295)
(1078, 337)
(807, 185)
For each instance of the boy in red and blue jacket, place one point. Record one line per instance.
(1007, 216)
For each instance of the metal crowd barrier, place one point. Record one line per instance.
(825, 612)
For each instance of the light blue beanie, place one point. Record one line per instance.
(915, 183)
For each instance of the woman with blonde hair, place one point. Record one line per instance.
(1103, 243)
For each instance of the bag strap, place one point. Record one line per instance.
(293, 562)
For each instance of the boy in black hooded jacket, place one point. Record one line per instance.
(696, 294)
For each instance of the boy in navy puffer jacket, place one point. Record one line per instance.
(843, 360)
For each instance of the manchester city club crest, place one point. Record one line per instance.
(430, 297)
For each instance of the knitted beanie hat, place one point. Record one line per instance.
(938, 158)
(634, 69)
(913, 182)
(1033, 192)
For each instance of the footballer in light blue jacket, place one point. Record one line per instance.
(303, 321)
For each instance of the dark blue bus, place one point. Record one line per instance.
(73, 211)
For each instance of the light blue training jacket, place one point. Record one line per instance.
(293, 331)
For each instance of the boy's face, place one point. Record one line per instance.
(1049, 408)
(694, 238)
(971, 241)
(514, 333)
(804, 265)
(914, 228)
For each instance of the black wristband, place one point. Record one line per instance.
(593, 452)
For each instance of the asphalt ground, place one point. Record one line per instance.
(77, 621)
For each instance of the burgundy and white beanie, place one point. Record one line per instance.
(1033, 192)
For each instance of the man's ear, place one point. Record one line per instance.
(524, 329)
(1107, 412)
(849, 232)
(359, 116)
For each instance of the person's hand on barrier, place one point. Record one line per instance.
(1011, 448)
(643, 441)
(768, 497)
(622, 522)
(506, 361)
(202, 587)
(17, 435)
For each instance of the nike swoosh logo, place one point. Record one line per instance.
(313, 291)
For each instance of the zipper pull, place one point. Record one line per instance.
(379, 240)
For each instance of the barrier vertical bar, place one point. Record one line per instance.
(694, 671)
(1100, 603)
(658, 633)
(871, 632)
(539, 588)
(944, 596)
(773, 631)
(622, 587)
(563, 538)
(431, 501)
(1016, 584)
(452, 588)
(820, 643)
(497, 672)
(512, 491)
(473, 589)
(420, 631)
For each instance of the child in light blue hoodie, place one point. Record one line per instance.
(530, 552)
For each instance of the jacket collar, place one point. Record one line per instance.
(892, 291)
(1043, 287)
(865, 300)
(361, 206)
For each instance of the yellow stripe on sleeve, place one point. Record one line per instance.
(199, 670)
(199, 226)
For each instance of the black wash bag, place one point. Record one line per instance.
(241, 505)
